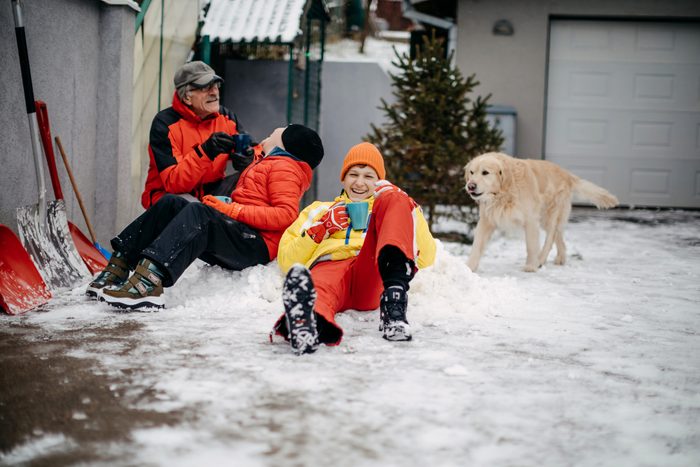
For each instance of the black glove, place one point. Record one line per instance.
(218, 143)
(240, 161)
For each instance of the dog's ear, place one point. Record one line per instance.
(505, 175)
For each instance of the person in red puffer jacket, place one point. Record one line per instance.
(191, 141)
(233, 232)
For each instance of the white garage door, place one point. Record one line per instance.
(623, 108)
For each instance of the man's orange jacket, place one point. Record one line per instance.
(177, 162)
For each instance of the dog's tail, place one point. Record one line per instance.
(601, 197)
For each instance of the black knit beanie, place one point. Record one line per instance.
(303, 143)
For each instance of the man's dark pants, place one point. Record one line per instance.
(174, 232)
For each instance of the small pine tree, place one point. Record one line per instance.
(433, 129)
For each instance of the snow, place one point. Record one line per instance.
(591, 363)
(376, 51)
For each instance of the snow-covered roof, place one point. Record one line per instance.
(253, 20)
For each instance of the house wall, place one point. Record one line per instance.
(81, 55)
(350, 97)
(513, 68)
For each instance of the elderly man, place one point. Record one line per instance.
(191, 141)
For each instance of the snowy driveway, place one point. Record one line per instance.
(593, 363)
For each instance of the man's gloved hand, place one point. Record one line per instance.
(334, 220)
(244, 151)
(385, 186)
(231, 210)
(218, 143)
(241, 161)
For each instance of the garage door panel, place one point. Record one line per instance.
(621, 134)
(620, 41)
(594, 169)
(623, 108)
(628, 86)
(648, 183)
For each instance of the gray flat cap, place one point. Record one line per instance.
(196, 73)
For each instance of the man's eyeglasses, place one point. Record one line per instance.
(209, 87)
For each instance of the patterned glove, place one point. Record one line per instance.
(229, 209)
(334, 220)
(385, 186)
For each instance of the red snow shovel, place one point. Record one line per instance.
(43, 228)
(21, 285)
(92, 258)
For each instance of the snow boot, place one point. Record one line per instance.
(299, 296)
(144, 289)
(392, 314)
(113, 275)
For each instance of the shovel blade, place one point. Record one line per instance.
(49, 243)
(21, 286)
(92, 257)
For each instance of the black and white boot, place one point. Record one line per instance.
(392, 314)
(299, 297)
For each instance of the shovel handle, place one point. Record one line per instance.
(42, 117)
(75, 188)
(23, 57)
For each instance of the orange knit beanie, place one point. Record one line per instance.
(364, 154)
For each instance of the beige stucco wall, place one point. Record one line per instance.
(513, 68)
(180, 21)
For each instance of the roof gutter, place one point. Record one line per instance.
(130, 3)
(442, 23)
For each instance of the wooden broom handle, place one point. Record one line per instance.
(75, 188)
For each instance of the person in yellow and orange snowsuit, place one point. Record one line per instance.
(332, 266)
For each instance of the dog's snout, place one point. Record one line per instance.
(471, 186)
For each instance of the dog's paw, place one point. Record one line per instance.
(530, 268)
(559, 261)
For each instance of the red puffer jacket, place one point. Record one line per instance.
(269, 191)
(177, 162)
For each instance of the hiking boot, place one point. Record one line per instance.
(392, 314)
(113, 275)
(299, 296)
(144, 289)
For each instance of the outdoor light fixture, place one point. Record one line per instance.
(502, 27)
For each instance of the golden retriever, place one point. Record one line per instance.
(530, 194)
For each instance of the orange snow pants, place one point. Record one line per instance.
(355, 283)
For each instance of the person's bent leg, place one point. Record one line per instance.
(143, 230)
(195, 230)
(128, 245)
(387, 261)
(396, 271)
(199, 230)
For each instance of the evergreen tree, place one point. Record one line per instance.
(433, 129)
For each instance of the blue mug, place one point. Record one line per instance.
(242, 141)
(359, 214)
